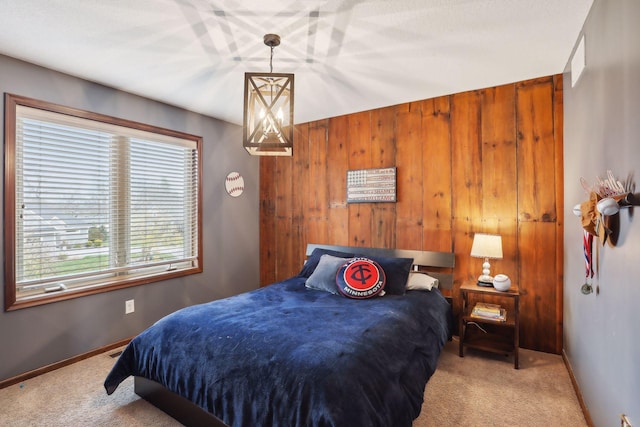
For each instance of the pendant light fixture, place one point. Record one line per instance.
(268, 110)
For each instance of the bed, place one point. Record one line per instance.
(296, 354)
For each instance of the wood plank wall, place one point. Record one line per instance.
(487, 160)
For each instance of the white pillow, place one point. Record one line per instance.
(421, 281)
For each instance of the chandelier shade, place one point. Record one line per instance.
(268, 110)
(268, 114)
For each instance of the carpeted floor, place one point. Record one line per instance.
(480, 389)
(74, 396)
(483, 389)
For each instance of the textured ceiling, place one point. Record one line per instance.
(347, 55)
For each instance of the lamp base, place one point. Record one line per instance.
(485, 280)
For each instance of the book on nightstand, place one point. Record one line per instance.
(484, 310)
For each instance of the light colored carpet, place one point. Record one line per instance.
(483, 389)
(74, 396)
(478, 390)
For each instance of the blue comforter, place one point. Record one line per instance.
(285, 355)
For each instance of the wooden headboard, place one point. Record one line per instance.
(437, 264)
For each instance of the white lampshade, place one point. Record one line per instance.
(487, 246)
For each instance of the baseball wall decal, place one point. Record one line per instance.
(234, 184)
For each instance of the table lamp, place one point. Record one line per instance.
(487, 246)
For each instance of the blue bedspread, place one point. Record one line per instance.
(285, 355)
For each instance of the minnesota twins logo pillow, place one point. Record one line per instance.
(360, 278)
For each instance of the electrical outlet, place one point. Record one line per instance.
(129, 307)
(624, 421)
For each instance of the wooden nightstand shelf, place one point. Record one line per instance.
(498, 336)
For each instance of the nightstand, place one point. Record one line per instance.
(487, 334)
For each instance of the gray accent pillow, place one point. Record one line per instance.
(323, 277)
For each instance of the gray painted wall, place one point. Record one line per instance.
(35, 337)
(602, 132)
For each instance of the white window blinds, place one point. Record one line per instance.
(97, 203)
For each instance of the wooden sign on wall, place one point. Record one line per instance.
(371, 185)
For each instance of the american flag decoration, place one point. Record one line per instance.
(371, 185)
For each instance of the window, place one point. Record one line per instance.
(94, 203)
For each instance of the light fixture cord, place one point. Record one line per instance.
(271, 78)
(271, 61)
